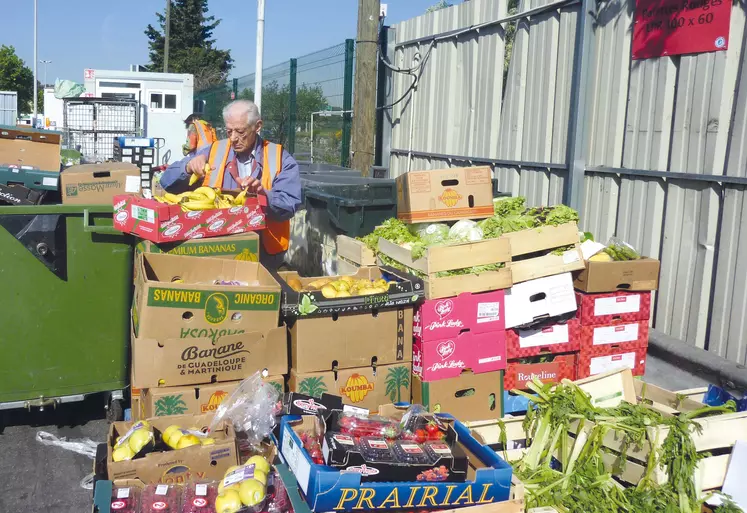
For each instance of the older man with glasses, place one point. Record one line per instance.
(245, 160)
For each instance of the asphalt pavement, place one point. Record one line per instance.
(36, 478)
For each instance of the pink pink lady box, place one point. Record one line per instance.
(433, 360)
(439, 319)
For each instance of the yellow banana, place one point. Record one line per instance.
(193, 179)
(222, 203)
(206, 191)
(198, 205)
(240, 198)
(171, 198)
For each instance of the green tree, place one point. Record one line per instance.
(16, 76)
(191, 44)
(276, 107)
(442, 4)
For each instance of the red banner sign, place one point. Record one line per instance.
(675, 27)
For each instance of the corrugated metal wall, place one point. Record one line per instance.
(8, 108)
(683, 114)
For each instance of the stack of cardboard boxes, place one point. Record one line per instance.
(614, 311)
(357, 347)
(195, 337)
(542, 335)
(459, 348)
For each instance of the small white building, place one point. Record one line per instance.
(166, 100)
(53, 107)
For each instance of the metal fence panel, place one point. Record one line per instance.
(672, 115)
(8, 108)
(319, 81)
(456, 105)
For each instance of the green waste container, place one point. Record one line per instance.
(336, 205)
(66, 281)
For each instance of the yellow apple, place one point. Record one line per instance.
(187, 441)
(251, 492)
(259, 463)
(228, 502)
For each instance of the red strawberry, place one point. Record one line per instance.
(421, 435)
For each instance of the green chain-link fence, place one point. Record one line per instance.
(321, 82)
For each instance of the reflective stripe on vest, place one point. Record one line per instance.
(201, 134)
(218, 159)
(276, 235)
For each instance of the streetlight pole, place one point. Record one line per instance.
(36, 92)
(260, 54)
(166, 36)
(45, 62)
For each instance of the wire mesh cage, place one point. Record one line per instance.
(92, 124)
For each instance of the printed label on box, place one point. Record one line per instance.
(296, 461)
(617, 305)
(615, 334)
(49, 182)
(132, 184)
(548, 336)
(143, 214)
(602, 364)
(488, 312)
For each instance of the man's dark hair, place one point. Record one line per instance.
(191, 119)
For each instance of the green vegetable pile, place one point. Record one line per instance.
(583, 484)
(511, 215)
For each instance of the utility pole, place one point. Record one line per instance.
(36, 58)
(258, 60)
(166, 37)
(364, 101)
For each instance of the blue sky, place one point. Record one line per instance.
(100, 34)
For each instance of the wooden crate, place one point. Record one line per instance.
(456, 256)
(354, 251)
(544, 239)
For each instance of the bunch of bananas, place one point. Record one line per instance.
(203, 198)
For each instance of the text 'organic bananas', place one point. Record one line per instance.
(203, 198)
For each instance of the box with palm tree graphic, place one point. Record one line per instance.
(364, 387)
(198, 399)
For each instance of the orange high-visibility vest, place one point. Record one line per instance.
(276, 235)
(205, 133)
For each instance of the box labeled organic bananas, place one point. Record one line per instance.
(170, 450)
(202, 213)
(371, 288)
(364, 387)
(199, 399)
(179, 297)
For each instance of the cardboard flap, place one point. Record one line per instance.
(354, 251)
(166, 268)
(30, 149)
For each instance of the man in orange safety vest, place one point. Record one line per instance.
(246, 160)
